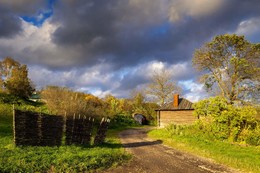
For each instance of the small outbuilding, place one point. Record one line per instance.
(35, 97)
(179, 111)
(140, 119)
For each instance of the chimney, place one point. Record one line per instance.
(175, 100)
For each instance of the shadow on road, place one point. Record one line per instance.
(131, 145)
(141, 144)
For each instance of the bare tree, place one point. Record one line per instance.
(162, 87)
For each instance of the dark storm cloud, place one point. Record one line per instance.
(84, 36)
(112, 31)
(10, 10)
(107, 30)
(9, 23)
(23, 7)
(132, 80)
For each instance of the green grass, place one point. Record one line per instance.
(55, 159)
(245, 158)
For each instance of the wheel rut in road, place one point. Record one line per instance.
(151, 156)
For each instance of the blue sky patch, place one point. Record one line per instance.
(42, 15)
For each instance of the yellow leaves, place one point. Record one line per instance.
(14, 77)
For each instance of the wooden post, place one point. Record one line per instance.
(14, 123)
(64, 122)
(158, 118)
(64, 126)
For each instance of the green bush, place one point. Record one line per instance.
(9, 99)
(251, 137)
(122, 120)
(5, 110)
(222, 121)
(174, 129)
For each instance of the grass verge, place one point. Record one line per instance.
(56, 159)
(244, 158)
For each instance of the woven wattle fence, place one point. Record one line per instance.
(26, 128)
(51, 130)
(79, 130)
(37, 129)
(101, 133)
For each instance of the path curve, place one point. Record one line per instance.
(151, 156)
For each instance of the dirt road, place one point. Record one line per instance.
(150, 156)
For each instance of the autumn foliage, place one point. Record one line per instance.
(14, 78)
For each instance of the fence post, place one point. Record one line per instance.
(14, 124)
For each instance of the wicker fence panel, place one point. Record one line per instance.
(51, 130)
(33, 129)
(101, 133)
(19, 128)
(69, 130)
(78, 130)
(88, 124)
(26, 129)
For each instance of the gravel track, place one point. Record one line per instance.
(151, 156)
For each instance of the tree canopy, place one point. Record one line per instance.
(14, 78)
(231, 67)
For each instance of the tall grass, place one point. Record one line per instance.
(55, 159)
(246, 158)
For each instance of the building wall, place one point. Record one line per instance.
(177, 117)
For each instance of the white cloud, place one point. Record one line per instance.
(194, 91)
(35, 45)
(43, 77)
(249, 27)
(178, 71)
(149, 68)
(96, 80)
(95, 91)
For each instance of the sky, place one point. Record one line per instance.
(112, 47)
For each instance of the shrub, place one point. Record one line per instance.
(223, 121)
(174, 129)
(5, 110)
(251, 137)
(122, 120)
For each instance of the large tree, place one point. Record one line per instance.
(230, 65)
(14, 78)
(162, 87)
